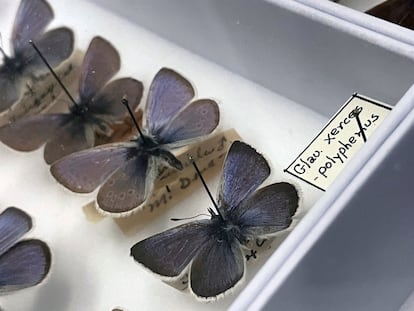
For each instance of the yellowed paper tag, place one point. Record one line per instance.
(328, 154)
(172, 186)
(42, 91)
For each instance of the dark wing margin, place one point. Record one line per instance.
(170, 252)
(126, 189)
(100, 64)
(30, 133)
(14, 223)
(244, 171)
(25, 264)
(217, 268)
(395, 11)
(168, 93)
(108, 101)
(267, 211)
(84, 171)
(31, 20)
(197, 119)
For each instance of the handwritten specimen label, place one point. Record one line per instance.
(40, 92)
(328, 154)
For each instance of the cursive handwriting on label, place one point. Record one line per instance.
(329, 153)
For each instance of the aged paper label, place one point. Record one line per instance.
(328, 154)
(42, 92)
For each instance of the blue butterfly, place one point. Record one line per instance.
(98, 107)
(25, 263)
(127, 170)
(32, 18)
(211, 249)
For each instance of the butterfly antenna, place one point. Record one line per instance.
(187, 218)
(205, 186)
(53, 72)
(126, 103)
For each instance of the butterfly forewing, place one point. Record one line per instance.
(217, 268)
(14, 223)
(169, 253)
(199, 118)
(107, 102)
(244, 171)
(267, 211)
(84, 171)
(30, 133)
(31, 20)
(23, 265)
(169, 92)
(100, 64)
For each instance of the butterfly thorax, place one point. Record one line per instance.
(226, 230)
(84, 115)
(149, 146)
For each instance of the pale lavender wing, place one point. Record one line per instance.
(108, 101)
(25, 264)
(168, 93)
(84, 171)
(30, 133)
(217, 268)
(10, 86)
(126, 189)
(74, 136)
(14, 223)
(101, 63)
(268, 210)
(31, 20)
(170, 252)
(55, 45)
(244, 171)
(199, 118)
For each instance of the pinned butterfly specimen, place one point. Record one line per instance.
(97, 107)
(211, 249)
(24, 263)
(32, 18)
(399, 12)
(127, 170)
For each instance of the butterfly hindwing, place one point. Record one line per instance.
(107, 102)
(170, 252)
(244, 171)
(267, 211)
(84, 171)
(73, 136)
(168, 93)
(199, 118)
(25, 264)
(217, 268)
(126, 189)
(100, 64)
(14, 223)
